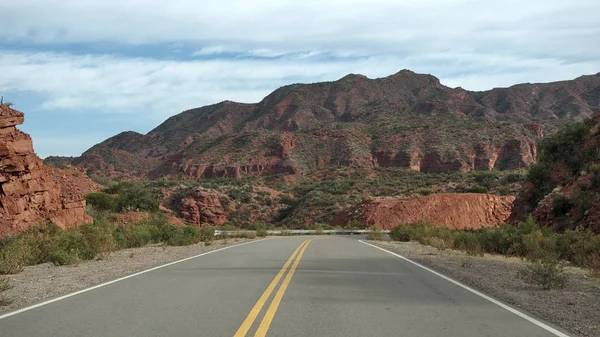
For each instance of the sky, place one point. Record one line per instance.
(85, 70)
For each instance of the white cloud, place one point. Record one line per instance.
(160, 88)
(283, 26)
(245, 49)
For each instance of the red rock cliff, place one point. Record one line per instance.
(28, 190)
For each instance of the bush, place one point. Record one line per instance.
(593, 263)
(376, 233)
(478, 189)
(561, 205)
(425, 191)
(12, 259)
(540, 177)
(207, 234)
(134, 197)
(261, 233)
(62, 258)
(503, 190)
(547, 273)
(182, 236)
(355, 224)
(75, 243)
(401, 233)
(469, 242)
(101, 201)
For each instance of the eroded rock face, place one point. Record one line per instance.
(203, 207)
(29, 191)
(453, 210)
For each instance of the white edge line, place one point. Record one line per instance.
(498, 303)
(12, 313)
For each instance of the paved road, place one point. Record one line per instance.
(334, 286)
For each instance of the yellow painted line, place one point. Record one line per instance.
(266, 322)
(243, 330)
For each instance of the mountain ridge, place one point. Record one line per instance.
(406, 120)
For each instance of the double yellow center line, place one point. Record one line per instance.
(268, 318)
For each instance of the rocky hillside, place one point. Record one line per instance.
(563, 189)
(29, 191)
(405, 120)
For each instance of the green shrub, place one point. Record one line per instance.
(132, 236)
(375, 233)
(469, 242)
(401, 233)
(355, 224)
(594, 170)
(12, 259)
(75, 243)
(561, 205)
(425, 191)
(577, 246)
(503, 190)
(478, 189)
(514, 178)
(101, 201)
(494, 241)
(207, 234)
(546, 273)
(62, 258)
(540, 177)
(593, 263)
(135, 197)
(261, 233)
(182, 236)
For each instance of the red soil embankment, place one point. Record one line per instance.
(453, 210)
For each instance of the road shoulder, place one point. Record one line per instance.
(575, 308)
(45, 281)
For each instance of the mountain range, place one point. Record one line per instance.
(406, 120)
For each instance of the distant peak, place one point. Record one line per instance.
(405, 72)
(353, 76)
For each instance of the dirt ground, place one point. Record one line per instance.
(575, 308)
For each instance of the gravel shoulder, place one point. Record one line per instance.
(575, 308)
(45, 281)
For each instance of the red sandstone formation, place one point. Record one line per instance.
(29, 191)
(451, 210)
(203, 207)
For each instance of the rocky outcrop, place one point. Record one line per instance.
(453, 210)
(203, 207)
(29, 191)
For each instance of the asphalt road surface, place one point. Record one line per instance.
(291, 286)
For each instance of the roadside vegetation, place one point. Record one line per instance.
(48, 243)
(547, 251)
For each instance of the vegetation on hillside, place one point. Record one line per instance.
(124, 197)
(567, 160)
